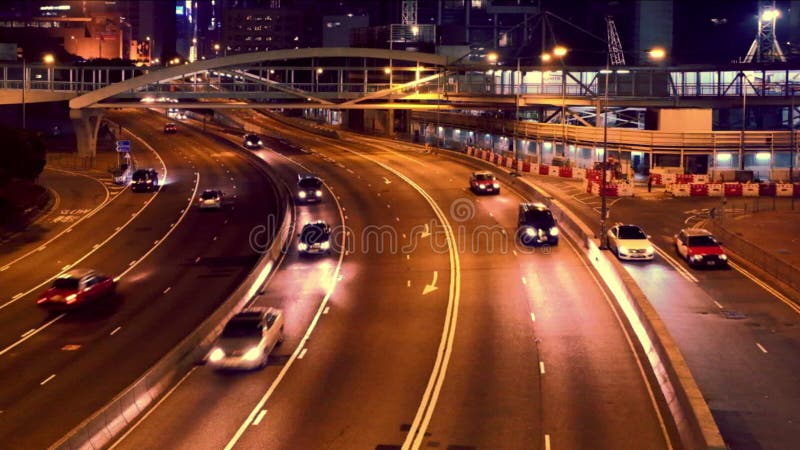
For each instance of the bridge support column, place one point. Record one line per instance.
(86, 123)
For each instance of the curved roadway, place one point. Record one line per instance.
(484, 346)
(176, 265)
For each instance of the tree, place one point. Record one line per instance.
(22, 155)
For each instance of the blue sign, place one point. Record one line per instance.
(124, 146)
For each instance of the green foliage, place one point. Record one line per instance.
(22, 155)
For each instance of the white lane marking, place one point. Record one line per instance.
(541, 367)
(171, 225)
(155, 407)
(167, 290)
(302, 353)
(761, 347)
(10, 347)
(3, 269)
(546, 442)
(17, 296)
(386, 181)
(156, 241)
(259, 417)
(66, 267)
(41, 248)
(533, 317)
(47, 379)
(786, 301)
(491, 214)
(114, 331)
(32, 330)
(132, 263)
(215, 238)
(719, 305)
(117, 228)
(408, 283)
(515, 252)
(197, 260)
(408, 257)
(388, 205)
(524, 281)
(432, 286)
(397, 218)
(95, 246)
(677, 265)
(326, 310)
(102, 204)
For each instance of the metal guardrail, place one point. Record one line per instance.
(620, 138)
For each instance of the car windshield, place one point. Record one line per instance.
(484, 177)
(702, 241)
(239, 328)
(629, 232)
(251, 137)
(314, 234)
(141, 175)
(66, 283)
(208, 195)
(310, 183)
(539, 217)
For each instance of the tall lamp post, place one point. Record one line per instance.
(24, 82)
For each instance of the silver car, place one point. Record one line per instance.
(247, 339)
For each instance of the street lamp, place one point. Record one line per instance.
(49, 59)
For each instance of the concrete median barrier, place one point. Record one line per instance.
(680, 396)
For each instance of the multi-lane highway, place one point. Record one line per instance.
(428, 328)
(174, 264)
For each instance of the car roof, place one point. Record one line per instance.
(316, 222)
(697, 232)
(77, 273)
(212, 190)
(303, 176)
(534, 205)
(482, 172)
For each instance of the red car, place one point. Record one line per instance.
(170, 128)
(484, 183)
(76, 288)
(699, 248)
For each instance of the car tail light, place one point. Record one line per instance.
(71, 298)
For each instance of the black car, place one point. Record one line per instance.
(144, 180)
(252, 141)
(315, 238)
(536, 225)
(309, 188)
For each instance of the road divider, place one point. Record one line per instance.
(688, 411)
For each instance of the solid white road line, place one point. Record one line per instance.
(546, 442)
(541, 367)
(259, 417)
(47, 379)
(719, 305)
(115, 331)
(676, 265)
(29, 335)
(782, 298)
(326, 310)
(533, 317)
(167, 290)
(302, 353)
(761, 347)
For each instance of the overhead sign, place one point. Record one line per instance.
(124, 146)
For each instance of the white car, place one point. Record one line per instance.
(247, 339)
(211, 199)
(630, 242)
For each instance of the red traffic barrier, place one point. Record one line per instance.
(796, 192)
(589, 186)
(684, 179)
(594, 175)
(612, 190)
(526, 166)
(657, 179)
(698, 190)
(544, 169)
(565, 172)
(767, 189)
(733, 189)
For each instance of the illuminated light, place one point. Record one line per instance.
(216, 355)
(559, 50)
(554, 231)
(71, 298)
(49, 58)
(623, 71)
(252, 354)
(415, 30)
(762, 156)
(545, 57)
(770, 14)
(319, 70)
(547, 144)
(723, 156)
(491, 57)
(387, 70)
(657, 53)
(606, 71)
(55, 8)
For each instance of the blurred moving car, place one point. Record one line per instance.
(76, 288)
(175, 113)
(252, 141)
(170, 128)
(144, 180)
(699, 248)
(630, 242)
(211, 199)
(309, 188)
(315, 238)
(484, 182)
(536, 225)
(247, 339)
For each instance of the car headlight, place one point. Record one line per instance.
(622, 249)
(325, 245)
(318, 193)
(696, 257)
(71, 298)
(480, 186)
(554, 231)
(496, 185)
(301, 194)
(149, 181)
(252, 354)
(723, 257)
(260, 142)
(649, 250)
(216, 354)
(302, 246)
(530, 231)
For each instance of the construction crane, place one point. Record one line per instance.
(765, 47)
(615, 54)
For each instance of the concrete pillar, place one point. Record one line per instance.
(86, 123)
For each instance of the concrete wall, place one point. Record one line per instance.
(685, 120)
